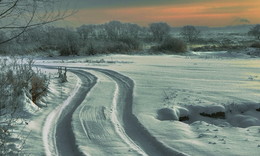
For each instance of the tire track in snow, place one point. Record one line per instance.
(58, 136)
(119, 128)
(132, 131)
(96, 133)
(127, 124)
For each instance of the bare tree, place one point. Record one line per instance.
(20, 15)
(65, 40)
(190, 33)
(114, 29)
(86, 31)
(131, 30)
(255, 31)
(159, 30)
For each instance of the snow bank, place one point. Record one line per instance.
(238, 115)
(208, 109)
(174, 113)
(240, 120)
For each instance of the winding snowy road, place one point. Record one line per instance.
(58, 136)
(97, 119)
(132, 127)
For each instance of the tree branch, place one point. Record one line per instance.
(24, 28)
(41, 12)
(8, 9)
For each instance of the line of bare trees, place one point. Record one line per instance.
(23, 24)
(111, 37)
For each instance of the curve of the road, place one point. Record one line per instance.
(58, 136)
(125, 122)
(132, 126)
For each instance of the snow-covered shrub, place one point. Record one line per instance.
(220, 115)
(122, 45)
(18, 81)
(256, 45)
(18, 76)
(117, 47)
(91, 50)
(232, 114)
(62, 76)
(39, 86)
(171, 45)
(133, 44)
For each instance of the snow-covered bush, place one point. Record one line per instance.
(18, 81)
(256, 45)
(132, 44)
(122, 45)
(62, 76)
(171, 45)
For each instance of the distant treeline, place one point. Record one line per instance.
(111, 37)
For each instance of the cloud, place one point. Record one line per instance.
(242, 21)
(177, 16)
(174, 12)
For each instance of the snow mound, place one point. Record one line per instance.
(241, 108)
(241, 120)
(208, 109)
(174, 113)
(237, 115)
(28, 106)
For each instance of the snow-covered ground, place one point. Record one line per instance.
(194, 86)
(181, 106)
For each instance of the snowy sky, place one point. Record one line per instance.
(174, 12)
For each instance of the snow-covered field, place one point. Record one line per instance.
(190, 87)
(150, 105)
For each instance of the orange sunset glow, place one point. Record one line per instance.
(212, 13)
